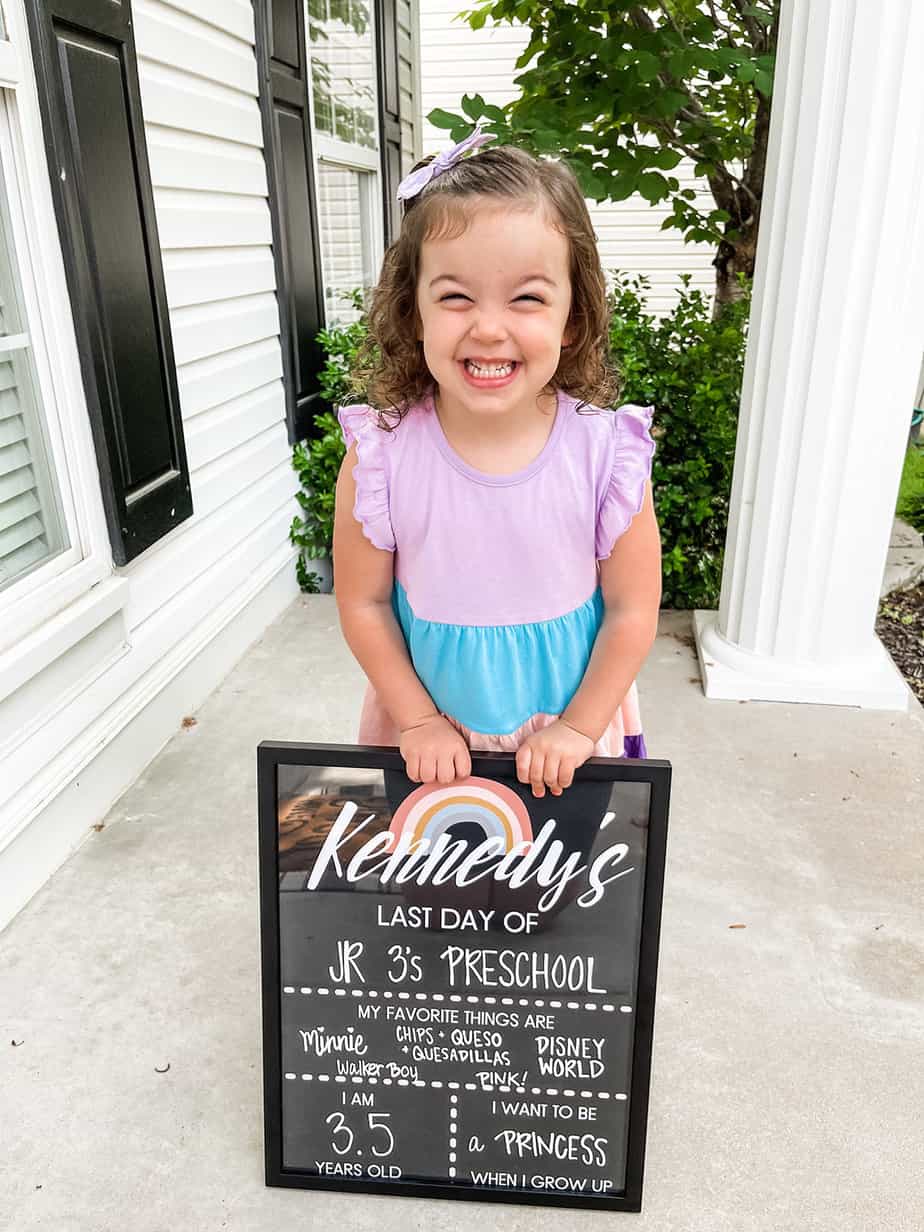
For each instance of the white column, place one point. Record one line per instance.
(834, 350)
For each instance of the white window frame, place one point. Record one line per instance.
(337, 153)
(46, 589)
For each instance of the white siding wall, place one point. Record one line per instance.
(457, 60)
(92, 694)
(199, 93)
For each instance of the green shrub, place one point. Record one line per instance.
(317, 460)
(910, 505)
(690, 367)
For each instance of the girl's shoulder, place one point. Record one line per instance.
(361, 422)
(382, 450)
(620, 448)
(610, 433)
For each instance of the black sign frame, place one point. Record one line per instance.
(656, 773)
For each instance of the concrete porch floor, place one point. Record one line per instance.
(788, 1070)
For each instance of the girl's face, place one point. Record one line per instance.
(498, 295)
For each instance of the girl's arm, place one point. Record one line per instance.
(630, 579)
(364, 576)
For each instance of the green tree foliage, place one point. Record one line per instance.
(622, 92)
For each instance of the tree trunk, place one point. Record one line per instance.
(730, 260)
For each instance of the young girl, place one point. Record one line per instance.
(497, 561)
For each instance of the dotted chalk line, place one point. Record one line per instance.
(453, 1117)
(567, 1092)
(457, 998)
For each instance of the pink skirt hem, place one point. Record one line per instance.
(377, 727)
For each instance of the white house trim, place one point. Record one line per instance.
(52, 585)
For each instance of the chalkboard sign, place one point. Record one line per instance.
(458, 980)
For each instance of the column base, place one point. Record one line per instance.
(873, 682)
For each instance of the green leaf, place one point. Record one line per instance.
(478, 18)
(746, 71)
(680, 62)
(764, 83)
(760, 15)
(666, 159)
(653, 187)
(473, 105)
(727, 58)
(530, 50)
(648, 66)
(546, 141)
(442, 119)
(668, 102)
(623, 186)
(593, 186)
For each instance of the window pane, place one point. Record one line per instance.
(345, 249)
(343, 69)
(31, 522)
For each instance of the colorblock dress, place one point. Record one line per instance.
(496, 581)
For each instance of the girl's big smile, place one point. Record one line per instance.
(485, 375)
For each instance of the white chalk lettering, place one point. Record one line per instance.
(438, 862)
(519, 969)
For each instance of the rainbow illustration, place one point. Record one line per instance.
(435, 808)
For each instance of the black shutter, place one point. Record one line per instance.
(389, 114)
(84, 54)
(282, 61)
(399, 119)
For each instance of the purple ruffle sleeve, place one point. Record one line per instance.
(370, 509)
(631, 465)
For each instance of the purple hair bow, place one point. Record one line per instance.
(411, 185)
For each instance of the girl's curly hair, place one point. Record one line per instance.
(389, 371)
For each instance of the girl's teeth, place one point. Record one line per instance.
(505, 370)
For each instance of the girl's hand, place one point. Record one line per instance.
(549, 758)
(434, 749)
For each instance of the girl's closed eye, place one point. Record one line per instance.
(458, 295)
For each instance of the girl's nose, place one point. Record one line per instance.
(488, 328)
